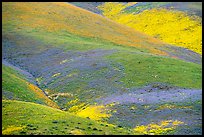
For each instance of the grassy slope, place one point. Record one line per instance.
(149, 70)
(43, 17)
(144, 69)
(43, 33)
(15, 86)
(22, 118)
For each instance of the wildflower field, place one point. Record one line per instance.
(101, 68)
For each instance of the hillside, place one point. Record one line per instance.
(176, 23)
(43, 17)
(15, 86)
(94, 68)
(91, 6)
(25, 118)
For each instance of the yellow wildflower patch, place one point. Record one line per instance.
(133, 107)
(72, 74)
(12, 128)
(156, 129)
(112, 104)
(176, 122)
(112, 12)
(141, 129)
(165, 123)
(173, 27)
(77, 108)
(94, 112)
(169, 106)
(73, 101)
(63, 61)
(56, 74)
(146, 106)
(77, 132)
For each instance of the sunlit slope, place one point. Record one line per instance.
(16, 87)
(168, 22)
(142, 69)
(64, 18)
(26, 118)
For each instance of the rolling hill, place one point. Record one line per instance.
(26, 118)
(177, 23)
(94, 70)
(76, 21)
(16, 87)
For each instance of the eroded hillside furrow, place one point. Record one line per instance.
(19, 84)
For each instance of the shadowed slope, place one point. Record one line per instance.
(16, 87)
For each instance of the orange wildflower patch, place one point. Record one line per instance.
(58, 17)
(40, 94)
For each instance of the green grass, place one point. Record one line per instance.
(172, 71)
(151, 69)
(38, 22)
(13, 81)
(66, 40)
(39, 119)
(15, 86)
(143, 69)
